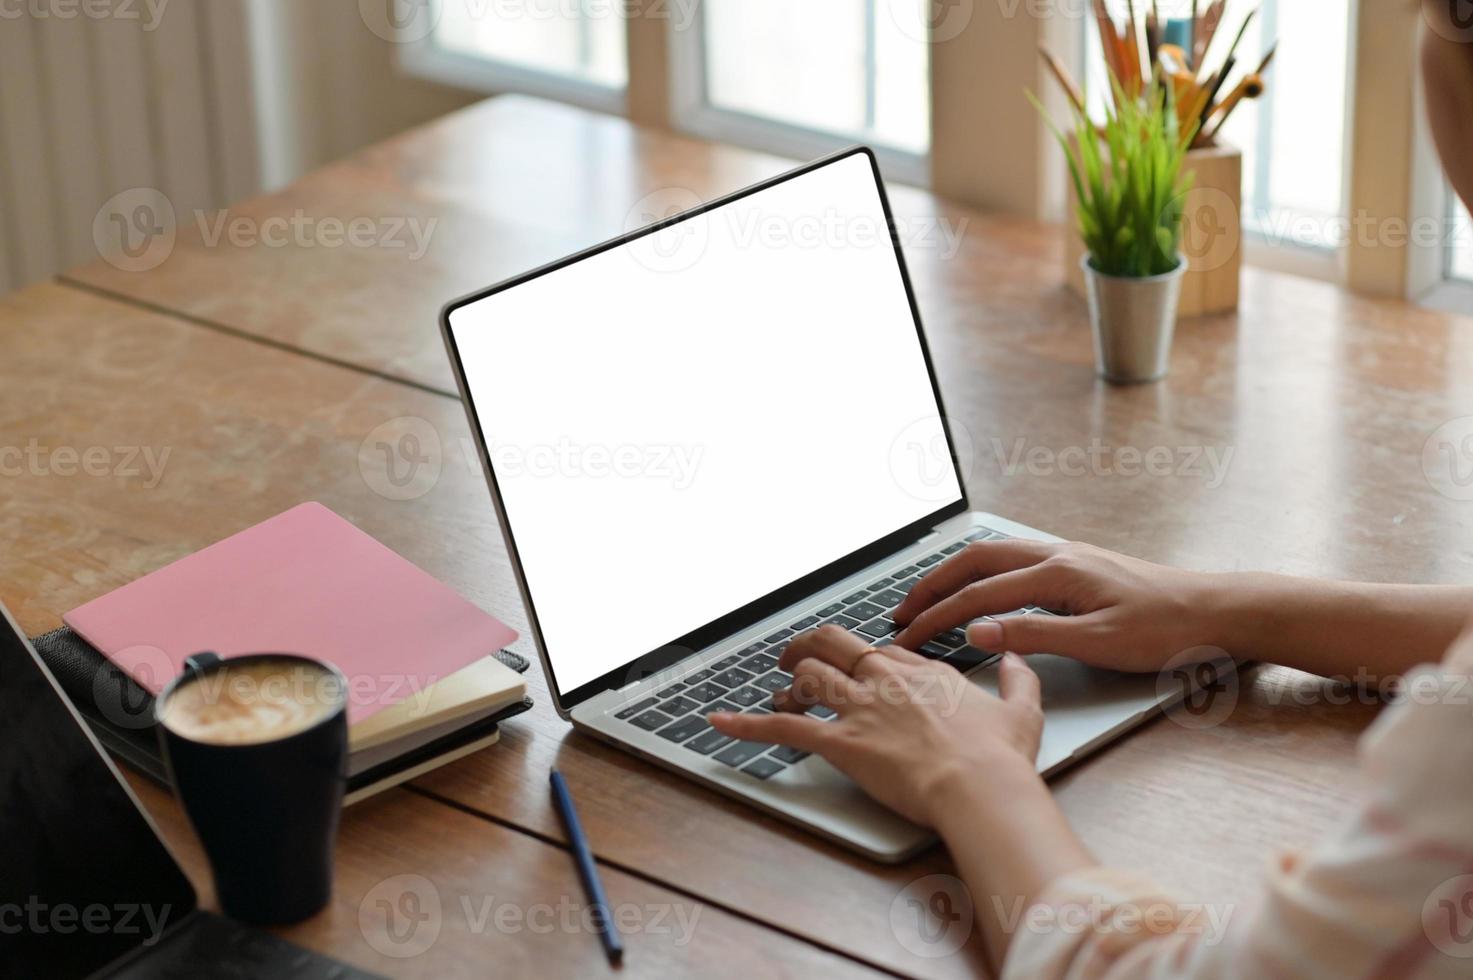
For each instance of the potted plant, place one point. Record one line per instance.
(1127, 174)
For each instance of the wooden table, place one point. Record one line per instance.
(267, 373)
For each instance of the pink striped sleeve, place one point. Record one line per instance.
(1387, 896)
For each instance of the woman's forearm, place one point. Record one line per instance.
(1336, 629)
(1009, 840)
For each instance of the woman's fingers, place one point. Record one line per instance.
(816, 682)
(979, 560)
(1016, 681)
(802, 732)
(834, 646)
(900, 654)
(1034, 633)
(1001, 593)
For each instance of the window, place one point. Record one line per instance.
(578, 38)
(750, 71)
(569, 50)
(867, 80)
(1293, 137)
(1458, 256)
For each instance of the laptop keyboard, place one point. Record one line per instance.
(745, 681)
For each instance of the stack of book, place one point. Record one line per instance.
(428, 678)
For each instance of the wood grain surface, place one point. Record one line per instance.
(276, 375)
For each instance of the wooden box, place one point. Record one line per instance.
(1211, 239)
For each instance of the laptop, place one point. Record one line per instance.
(87, 888)
(717, 431)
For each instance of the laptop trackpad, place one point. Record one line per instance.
(1081, 705)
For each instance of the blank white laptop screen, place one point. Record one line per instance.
(684, 423)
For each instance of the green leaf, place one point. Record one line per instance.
(1128, 179)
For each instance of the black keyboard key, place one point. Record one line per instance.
(908, 584)
(952, 549)
(699, 676)
(786, 753)
(735, 677)
(672, 689)
(804, 623)
(759, 664)
(777, 649)
(676, 707)
(864, 610)
(880, 583)
(907, 570)
(778, 636)
(722, 705)
(747, 696)
(650, 720)
(968, 657)
(729, 661)
(933, 650)
(847, 622)
(684, 729)
(889, 597)
(822, 711)
(775, 681)
(764, 768)
(929, 560)
(952, 638)
(709, 742)
(705, 693)
(740, 753)
(754, 648)
(981, 534)
(854, 598)
(636, 708)
(878, 627)
(828, 611)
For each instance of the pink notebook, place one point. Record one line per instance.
(307, 582)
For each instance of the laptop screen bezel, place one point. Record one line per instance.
(755, 611)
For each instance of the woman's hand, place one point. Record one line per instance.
(909, 731)
(1123, 613)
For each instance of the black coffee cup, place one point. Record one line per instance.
(263, 797)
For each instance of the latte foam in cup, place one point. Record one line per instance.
(259, 700)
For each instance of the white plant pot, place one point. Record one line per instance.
(1133, 320)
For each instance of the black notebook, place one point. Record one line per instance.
(120, 713)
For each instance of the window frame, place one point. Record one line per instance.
(692, 112)
(1428, 281)
(426, 59)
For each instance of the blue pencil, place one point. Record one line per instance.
(603, 914)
